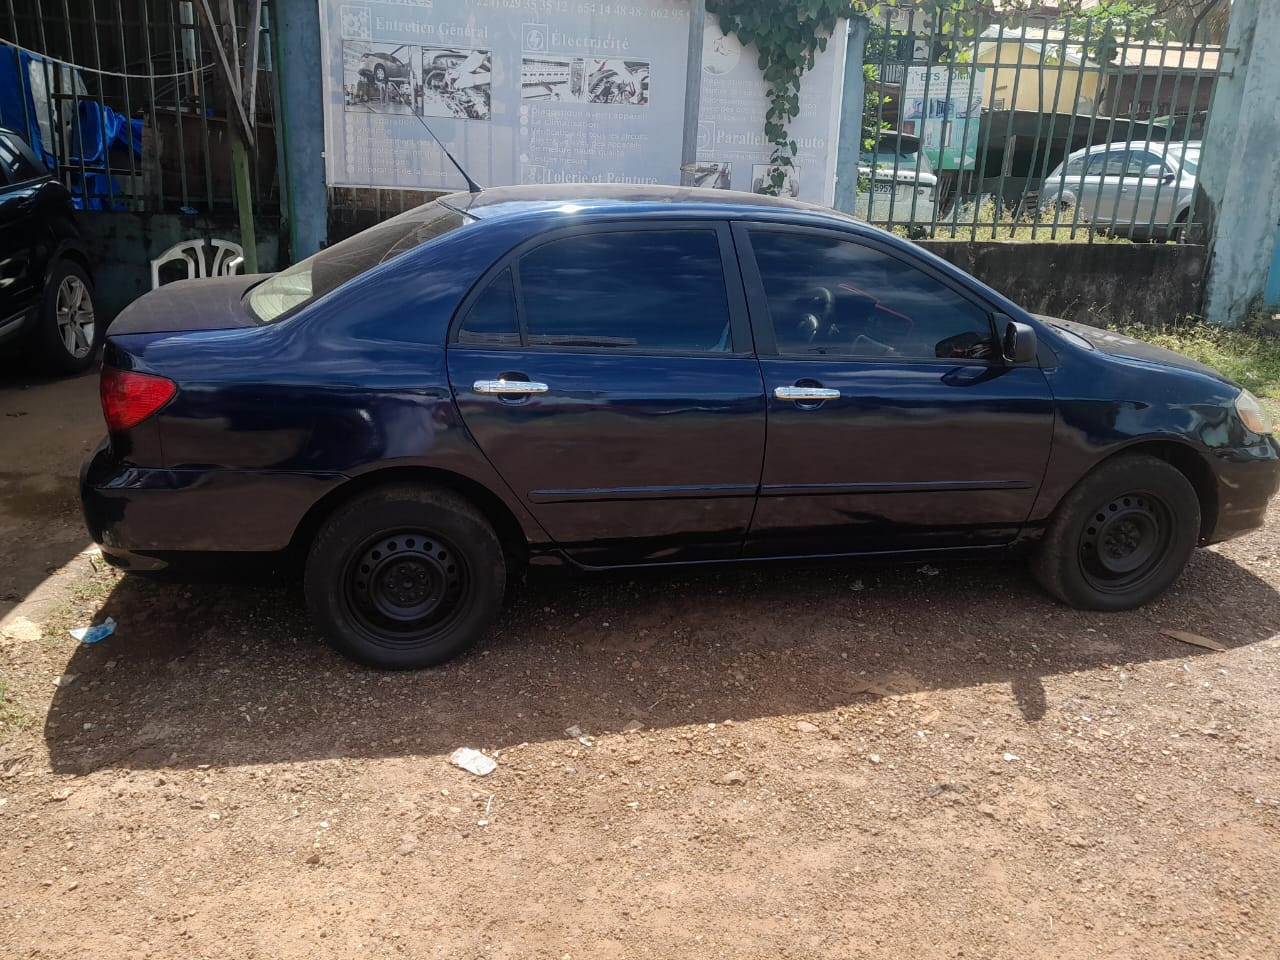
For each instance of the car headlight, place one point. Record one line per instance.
(1251, 413)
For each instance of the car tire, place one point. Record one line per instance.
(1121, 536)
(67, 332)
(380, 73)
(405, 577)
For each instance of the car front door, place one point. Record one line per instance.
(893, 422)
(607, 373)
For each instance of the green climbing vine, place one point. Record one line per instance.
(788, 34)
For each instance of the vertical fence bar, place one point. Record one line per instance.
(941, 26)
(880, 98)
(151, 99)
(1088, 137)
(1069, 143)
(128, 98)
(102, 109)
(175, 37)
(202, 106)
(1111, 126)
(17, 68)
(1164, 149)
(1043, 151)
(986, 148)
(75, 108)
(968, 119)
(1009, 139)
(1134, 100)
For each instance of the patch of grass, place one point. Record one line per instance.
(12, 716)
(958, 225)
(1249, 355)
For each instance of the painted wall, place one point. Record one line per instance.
(1240, 166)
(1155, 284)
(1037, 81)
(122, 246)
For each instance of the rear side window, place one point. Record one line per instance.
(1075, 167)
(491, 321)
(649, 291)
(309, 279)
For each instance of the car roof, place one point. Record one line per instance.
(497, 202)
(1155, 146)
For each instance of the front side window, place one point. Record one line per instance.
(650, 291)
(829, 296)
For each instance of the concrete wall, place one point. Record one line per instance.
(1240, 166)
(122, 246)
(1091, 283)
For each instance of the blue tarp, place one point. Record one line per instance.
(95, 129)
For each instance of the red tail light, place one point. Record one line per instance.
(128, 398)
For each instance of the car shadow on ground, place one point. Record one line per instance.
(232, 675)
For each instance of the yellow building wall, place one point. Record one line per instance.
(1038, 89)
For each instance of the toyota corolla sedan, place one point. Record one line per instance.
(633, 376)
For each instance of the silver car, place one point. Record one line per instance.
(1145, 189)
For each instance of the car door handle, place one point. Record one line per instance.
(805, 393)
(508, 387)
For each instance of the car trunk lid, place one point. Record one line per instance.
(213, 303)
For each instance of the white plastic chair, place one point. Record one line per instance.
(227, 260)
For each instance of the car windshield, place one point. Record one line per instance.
(1189, 159)
(327, 270)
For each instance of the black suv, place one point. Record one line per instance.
(46, 291)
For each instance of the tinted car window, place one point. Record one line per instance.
(17, 168)
(312, 278)
(644, 290)
(491, 321)
(1075, 167)
(1097, 165)
(1139, 160)
(836, 297)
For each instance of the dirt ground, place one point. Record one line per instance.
(838, 760)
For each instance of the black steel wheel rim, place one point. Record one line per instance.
(406, 587)
(1124, 540)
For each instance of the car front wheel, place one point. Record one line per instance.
(404, 577)
(1121, 536)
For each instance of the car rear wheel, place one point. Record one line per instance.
(380, 73)
(67, 333)
(1121, 536)
(405, 577)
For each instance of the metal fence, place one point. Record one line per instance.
(123, 100)
(1027, 127)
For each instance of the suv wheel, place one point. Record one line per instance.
(405, 577)
(1121, 536)
(67, 333)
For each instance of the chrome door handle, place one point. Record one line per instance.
(508, 386)
(805, 393)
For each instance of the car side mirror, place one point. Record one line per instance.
(1019, 342)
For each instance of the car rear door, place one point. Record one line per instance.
(607, 372)
(893, 422)
(19, 193)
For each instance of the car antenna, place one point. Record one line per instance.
(472, 186)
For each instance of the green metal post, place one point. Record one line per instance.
(244, 198)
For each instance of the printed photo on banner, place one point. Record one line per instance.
(761, 174)
(716, 174)
(379, 77)
(618, 81)
(456, 83)
(551, 78)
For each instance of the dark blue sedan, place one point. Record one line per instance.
(635, 376)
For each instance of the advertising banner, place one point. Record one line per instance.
(520, 91)
(942, 105)
(732, 150)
